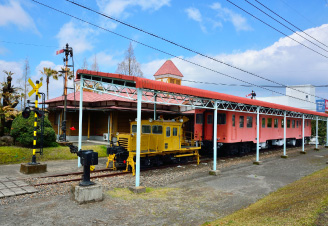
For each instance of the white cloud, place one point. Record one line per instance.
(13, 13)
(15, 67)
(239, 22)
(194, 14)
(55, 86)
(117, 8)
(105, 61)
(77, 36)
(283, 62)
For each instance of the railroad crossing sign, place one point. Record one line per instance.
(35, 88)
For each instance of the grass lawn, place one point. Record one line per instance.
(299, 203)
(14, 155)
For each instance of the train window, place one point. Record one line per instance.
(249, 121)
(288, 123)
(241, 121)
(263, 122)
(282, 123)
(296, 124)
(307, 123)
(233, 120)
(221, 118)
(209, 119)
(175, 131)
(146, 129)
(134, 128)
(275, 123)
(199, 118)
(157, 129)
(293, 123)
(269, 124)
(168, 131)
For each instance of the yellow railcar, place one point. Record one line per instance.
(161, 141)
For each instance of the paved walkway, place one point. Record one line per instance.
(11, 186)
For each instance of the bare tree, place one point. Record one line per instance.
(129, 66)
(85, 64)
(95, 66)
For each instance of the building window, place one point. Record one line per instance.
(269, 124)
(282, 123)
(233, 120)
(157, 129)
(297, 124)
(263, 122)
(249, 121)
(168, 131)
(288, 123)
(175, 131)
(275, 123)
(199, 118)
(209, 119)
(221, 118)
(241, 121)
(293, 123)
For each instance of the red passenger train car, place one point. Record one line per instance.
(236, 131)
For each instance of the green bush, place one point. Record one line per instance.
(22, 130)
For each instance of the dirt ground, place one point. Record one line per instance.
(189, 195)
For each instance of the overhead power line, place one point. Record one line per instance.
(183, 47)
(276, 29)
(289, 22)
(162, 51)
(285, 26)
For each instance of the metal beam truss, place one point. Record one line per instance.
(127, 89)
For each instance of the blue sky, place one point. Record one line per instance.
(214, 28)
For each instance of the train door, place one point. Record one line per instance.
(208, 126)
(233, 130)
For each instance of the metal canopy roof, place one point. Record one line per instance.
(171, 94)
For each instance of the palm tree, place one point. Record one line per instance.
(48, 72)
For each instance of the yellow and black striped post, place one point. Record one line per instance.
(35, 121)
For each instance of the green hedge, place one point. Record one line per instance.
(22, 131)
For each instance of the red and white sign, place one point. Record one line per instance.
(326, 105)
(59, 51)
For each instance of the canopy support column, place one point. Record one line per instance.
(80, 120)
(285, 140)
(155, 105)
(138, 137)
(316, 134)
(257, 162)
(215, 141)
(303, 132)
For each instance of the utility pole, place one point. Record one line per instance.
(68, 53)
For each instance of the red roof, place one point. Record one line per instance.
(168, 68)
(186, 90)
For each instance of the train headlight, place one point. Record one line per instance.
(117, 133)
(150, 120)
(181, 120)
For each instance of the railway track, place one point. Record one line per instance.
(114, 174)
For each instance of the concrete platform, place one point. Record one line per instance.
(139, 189)
(26, 168)
(11, 186)
(86, 194)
